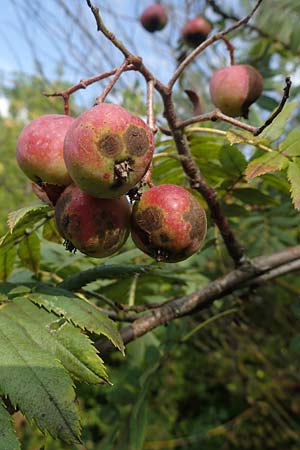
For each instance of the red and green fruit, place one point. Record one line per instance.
(107, 150)
(40, 149)
(168, 223)
(154, 18)
(233, 89)
(94, 226)
(195, 31)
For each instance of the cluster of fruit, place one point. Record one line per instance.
(233, 89)
(84, 167)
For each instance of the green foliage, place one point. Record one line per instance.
(226, 377)
(7, 432)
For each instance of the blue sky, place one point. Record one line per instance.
(16, 55)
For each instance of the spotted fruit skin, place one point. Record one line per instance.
(154, 18)
(94, 226)
(195, 31)
(102, 142)
(40, 149)
(233, 89)
(168, 223)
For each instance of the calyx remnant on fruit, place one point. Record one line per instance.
(94, 226)
(107, 150)
(154, 18)
(195, 31)
(40, 149)
(233, 89)
(168, 223)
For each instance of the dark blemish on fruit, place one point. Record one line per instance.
(74, 225)
(150, 219)
(111, 239)
(62, 217)
(164, 238)
(136, 141)
(110, 145)
(195, 216)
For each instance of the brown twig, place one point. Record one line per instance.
(190, 58)
(230, 49)
(150, 106)
(217, 9)
(203, 298)
(112, 82)
(198, 182)
(101, 27)
(83, 84)
(286, 94)
(213, 117)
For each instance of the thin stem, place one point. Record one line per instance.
(230, 49)
(207, 322)
(112, 82)
(214, 116)
(150, 106)
(83, 84)
(101, 27)
(191, 57)
(286, 94)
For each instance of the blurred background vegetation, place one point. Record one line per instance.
(233, 383)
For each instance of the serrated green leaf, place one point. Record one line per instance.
(26, 216)
(78, 311)
(291, 144)
(8, 438)
(269, 162)
(29, 252)
(277, 127)
(36, 382)
(50, 232)
(233, 161)
(7, 261)
(66, 342)
(293, 174)
(22, 222)
(267, 102)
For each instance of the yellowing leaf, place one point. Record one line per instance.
(293, 174)
(269, 162)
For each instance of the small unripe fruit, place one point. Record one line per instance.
(168, 223)
(94, 226)
(195, 31)
(233, 89)
(40, 149)
(154, 18)
(107, 150)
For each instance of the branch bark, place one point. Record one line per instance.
(261, 269)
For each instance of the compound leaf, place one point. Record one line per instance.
(36, 382)
(79, 311)
(269, 162)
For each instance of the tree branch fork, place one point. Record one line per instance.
(261, 270)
